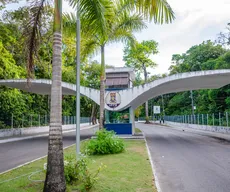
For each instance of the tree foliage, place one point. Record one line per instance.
(205, 56)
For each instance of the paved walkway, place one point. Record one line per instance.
(15, 153)
(188, 161)
(30, 136)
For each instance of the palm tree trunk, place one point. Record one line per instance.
(102, 88)
(146, 103)
(55, 179)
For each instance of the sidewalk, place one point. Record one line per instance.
(214, 135)
(23, 137)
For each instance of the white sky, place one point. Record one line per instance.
(196, 21)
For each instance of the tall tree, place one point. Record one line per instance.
(55, 179)
(196, 57)
(4, 2)
(138, 57)
(224, 37)
(91, 73)
(119, 27)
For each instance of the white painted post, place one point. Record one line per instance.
(213, 121)
(131, 119)
(12, 120)
(22, 120)
(227, 118)
(219, 120)
(46, 120)
(39, 120)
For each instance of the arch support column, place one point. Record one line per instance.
(132, 119)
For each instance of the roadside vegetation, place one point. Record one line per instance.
(127, 171)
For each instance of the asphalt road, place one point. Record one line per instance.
(15, 153)
(188, 161)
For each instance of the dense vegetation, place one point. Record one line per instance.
(205, 56)
(13, 66)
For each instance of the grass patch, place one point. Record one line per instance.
(129, 171)
(137, 130)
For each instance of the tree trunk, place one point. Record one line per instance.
(102, 88)
(55, 179)
(92, 113)
(95, 114)
(146, 103)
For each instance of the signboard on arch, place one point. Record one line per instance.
(156, 109)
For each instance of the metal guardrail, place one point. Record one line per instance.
(214, 119)
(35, 120)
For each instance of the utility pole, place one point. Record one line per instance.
(78, 37)
(192, 102)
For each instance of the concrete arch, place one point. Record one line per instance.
(136, 96)
(43, 87)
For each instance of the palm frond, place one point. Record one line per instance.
(94, 12)
(69, 24)
(123, 36)
(32, 32)
(90, 47)
(157, 10)
(134, 22)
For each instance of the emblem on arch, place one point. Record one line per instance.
(113, 99)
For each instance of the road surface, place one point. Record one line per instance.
(16, 153)
(187, 161)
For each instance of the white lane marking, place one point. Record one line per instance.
(153, 166)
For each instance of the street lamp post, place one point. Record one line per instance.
(78, 80)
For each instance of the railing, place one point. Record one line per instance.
(214, 119)
(151, 118)
(35, 120)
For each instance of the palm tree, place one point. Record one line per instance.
(157, 10)
(119, 27)
(55, 180)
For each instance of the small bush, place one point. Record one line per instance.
(71, 169)
(105, 143)
(77, 173)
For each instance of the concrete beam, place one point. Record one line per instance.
(135, 96)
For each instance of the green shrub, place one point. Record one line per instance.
(106, 142)
(77, 172)
(71, 169)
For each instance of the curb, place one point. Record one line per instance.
(156, 180)
(41, 135)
